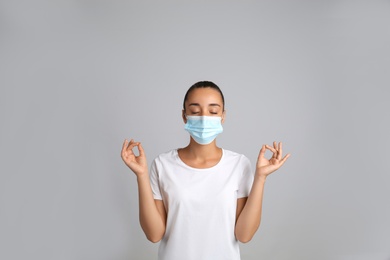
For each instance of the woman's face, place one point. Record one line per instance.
(204, 102)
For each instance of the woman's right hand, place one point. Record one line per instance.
(137, 164)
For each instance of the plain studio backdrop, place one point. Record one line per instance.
(78, 77)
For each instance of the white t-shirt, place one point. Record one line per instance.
(200, 205)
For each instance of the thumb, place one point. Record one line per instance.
(141, 150)
(261, 153)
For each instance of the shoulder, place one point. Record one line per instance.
(234, 155)
(162, 161)
(236, 158)
(166, 157)
(167, 154)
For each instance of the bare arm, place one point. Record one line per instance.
(249, 210)
(152, 215)
(249, 218)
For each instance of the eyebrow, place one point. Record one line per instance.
(197, 104)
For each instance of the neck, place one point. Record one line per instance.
(202, 151)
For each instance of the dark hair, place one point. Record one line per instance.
(204, 84)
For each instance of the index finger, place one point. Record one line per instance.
(141, 149)
(273, 150)
(129, 145)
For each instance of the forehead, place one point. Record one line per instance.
(204, 95)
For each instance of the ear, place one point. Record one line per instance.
(223, 116)
(183, 115)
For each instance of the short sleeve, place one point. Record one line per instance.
(246, 180)
(154, 181)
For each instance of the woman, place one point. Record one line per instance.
(201, 200)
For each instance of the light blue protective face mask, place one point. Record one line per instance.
(204, 129)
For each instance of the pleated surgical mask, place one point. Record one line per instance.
(203, 129)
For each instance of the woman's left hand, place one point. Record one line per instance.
(264, 166)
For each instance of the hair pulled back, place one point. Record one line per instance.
(204, 84)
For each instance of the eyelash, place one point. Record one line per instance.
(214, 113)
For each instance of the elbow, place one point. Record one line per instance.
(154, 235)
(245, 234)
(154, 239)
(244, 239)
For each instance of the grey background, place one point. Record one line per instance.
(78, 77)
